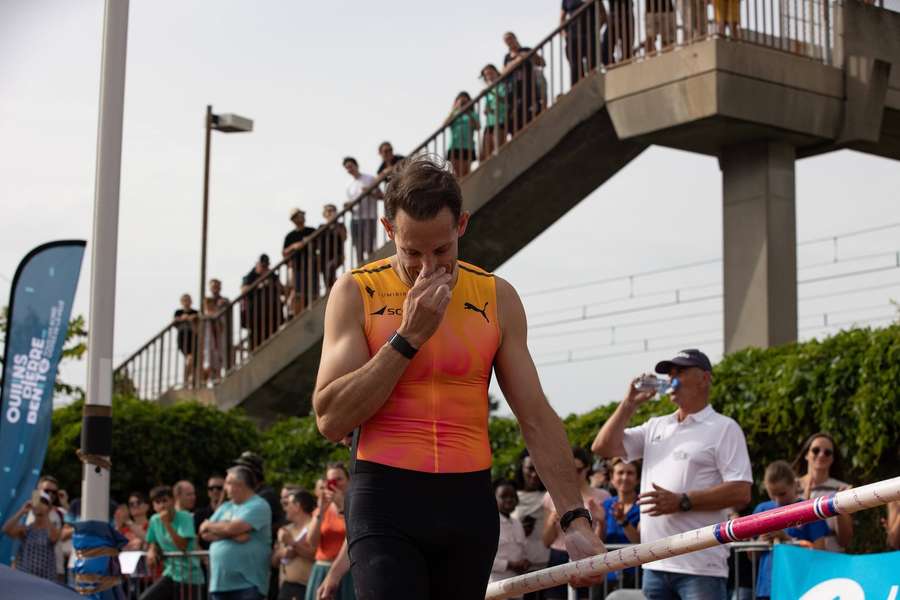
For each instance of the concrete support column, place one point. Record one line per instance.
(760, 245)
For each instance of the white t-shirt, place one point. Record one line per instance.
(531, 504)
(367, 208)
(704, 450)
(511, 547)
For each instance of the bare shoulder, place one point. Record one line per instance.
(345, 299)
(510, 312)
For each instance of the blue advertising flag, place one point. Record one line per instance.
(802, 574)
(39, 309)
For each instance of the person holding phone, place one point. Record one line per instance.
(328, 530)
(37, 555)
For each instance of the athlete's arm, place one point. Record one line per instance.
(351, 387)
(541, 427)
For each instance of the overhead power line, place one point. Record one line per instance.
(678, 301)
(685, 344)
(700, 263)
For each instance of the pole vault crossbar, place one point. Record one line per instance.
(742, 528)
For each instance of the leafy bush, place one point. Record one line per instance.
(296, 452)
(152, 444)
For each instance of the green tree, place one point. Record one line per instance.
(296, 452)
(153, 444)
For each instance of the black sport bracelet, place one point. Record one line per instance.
(401, 345)
(575, 513)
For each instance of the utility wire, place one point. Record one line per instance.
(820, 317)
(895, 254)
(647, 348)
(700, 263)
(678, 301)
(668, 319)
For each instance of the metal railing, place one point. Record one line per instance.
(271, 296)
(531, 83)
(642, 28)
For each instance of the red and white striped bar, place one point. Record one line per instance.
(849, 501)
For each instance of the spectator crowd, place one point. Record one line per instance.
(668, 475)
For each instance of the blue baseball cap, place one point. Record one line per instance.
(686, 358)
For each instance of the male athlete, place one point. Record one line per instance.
(410, 343)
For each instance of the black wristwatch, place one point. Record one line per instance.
(685, 503)
(401, 345)
(573, 514)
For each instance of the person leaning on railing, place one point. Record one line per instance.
(463, 125)
(623, 516)
(523, 88)
(780, 484)
(293, 555)
(364, 225)
(819, 464)
(330, 248)
(495, 130)
(172, 531)
(581, 36)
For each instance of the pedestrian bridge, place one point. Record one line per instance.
(793, 80)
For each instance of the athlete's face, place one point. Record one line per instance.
(426, 245)
(506, 499)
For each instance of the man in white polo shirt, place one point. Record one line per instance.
(695, 467)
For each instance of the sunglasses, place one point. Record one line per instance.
(825, 451)
(214, 488)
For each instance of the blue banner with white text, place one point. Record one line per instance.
(39, 308)
(802, 574)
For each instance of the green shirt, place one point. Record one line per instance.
(490, 101)
(182, 570)
(235, 565)
(462, 132)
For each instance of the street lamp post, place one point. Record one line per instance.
(226, 123)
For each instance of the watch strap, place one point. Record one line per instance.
(575, 513)
(401, 345)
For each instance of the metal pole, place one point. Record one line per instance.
(198, 355)
(97, 421)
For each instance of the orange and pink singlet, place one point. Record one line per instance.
(436, 418)
(421, 515)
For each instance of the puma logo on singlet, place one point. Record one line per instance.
(481, 311)
(370, 291)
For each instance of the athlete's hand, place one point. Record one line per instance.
(582, 542)
(425, 305)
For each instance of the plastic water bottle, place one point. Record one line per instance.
(659, 385)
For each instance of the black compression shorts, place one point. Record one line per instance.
(422, 536)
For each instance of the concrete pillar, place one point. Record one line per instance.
(760, 245)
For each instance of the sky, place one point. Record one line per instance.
(326, 80)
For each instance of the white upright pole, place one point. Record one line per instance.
(98, 405)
